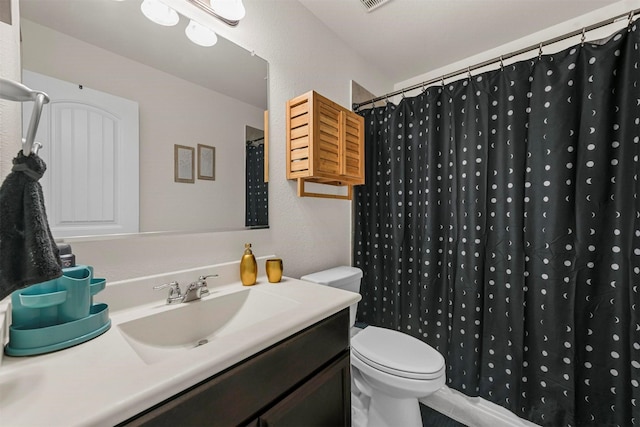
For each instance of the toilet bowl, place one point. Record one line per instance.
(396, 370)
(390, 369)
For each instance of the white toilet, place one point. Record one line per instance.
(390, 369)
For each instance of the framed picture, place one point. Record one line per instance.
(206, 162)
(183, 163)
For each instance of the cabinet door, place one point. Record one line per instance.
(324, 400)
(299, 135)
(327, 138)
(352, 155)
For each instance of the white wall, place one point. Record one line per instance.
(309, 234)
(172, 111)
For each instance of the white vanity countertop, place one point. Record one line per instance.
(104, 381)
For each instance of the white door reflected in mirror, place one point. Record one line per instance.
(90, 145)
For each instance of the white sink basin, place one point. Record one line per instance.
(185, 326)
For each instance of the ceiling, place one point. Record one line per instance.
(407, 38)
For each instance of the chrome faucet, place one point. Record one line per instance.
(195, 290)
(175, 294)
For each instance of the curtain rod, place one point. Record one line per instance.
(501, 58)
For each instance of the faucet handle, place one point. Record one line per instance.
(175, 294)
(202, 283)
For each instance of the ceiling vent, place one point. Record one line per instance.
(371, 5)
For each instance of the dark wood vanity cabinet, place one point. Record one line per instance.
(303, 380)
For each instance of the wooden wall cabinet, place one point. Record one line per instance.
(303, 380)
(325, 143)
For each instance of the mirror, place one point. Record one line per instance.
(187, 95)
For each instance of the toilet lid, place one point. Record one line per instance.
(398, 354)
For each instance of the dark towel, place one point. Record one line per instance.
(28, 253)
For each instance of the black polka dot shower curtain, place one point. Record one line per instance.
(500, 223)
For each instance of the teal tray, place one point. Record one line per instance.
(25, 341)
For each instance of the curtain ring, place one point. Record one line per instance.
(443, 81)
(469, 73)
(583, 37)
(540, 52)
(630, 21)
(501, 63)
(424, 87)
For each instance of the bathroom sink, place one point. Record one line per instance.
(185, 326)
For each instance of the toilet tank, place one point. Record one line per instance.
(343, 277)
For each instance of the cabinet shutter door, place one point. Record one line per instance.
(352, 166)
(298, 137)
(327, 132)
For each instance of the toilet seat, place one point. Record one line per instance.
(397, 354)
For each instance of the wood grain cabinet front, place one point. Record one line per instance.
(325, 142)
(323, 401)
(302, 380)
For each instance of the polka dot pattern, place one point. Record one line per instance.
(500, 223)
(257, 191)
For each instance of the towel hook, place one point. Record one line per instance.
(14, 91)
(27, 143)
(583, 37)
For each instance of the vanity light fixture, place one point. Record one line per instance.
(231, 9)
(228, 11)
(159, 13)
(200, 35)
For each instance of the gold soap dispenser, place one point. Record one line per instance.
(248, 267)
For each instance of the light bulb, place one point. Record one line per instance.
(230, 9)
(159, 13)
(200, 35)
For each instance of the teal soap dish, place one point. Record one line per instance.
(29, 341)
